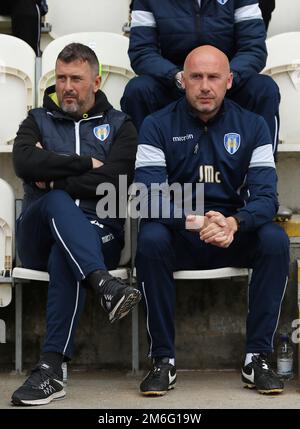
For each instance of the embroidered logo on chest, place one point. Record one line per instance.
(102, 132)
(232, 142)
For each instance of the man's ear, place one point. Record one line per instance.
(183, 80)
(97, 83)
(230, 80)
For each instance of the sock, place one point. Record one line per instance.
(53, 359)
(166, 359)
(248, 358)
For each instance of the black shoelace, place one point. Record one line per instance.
(263, 363)
(38, 375)
(109, 285)
(156, 372)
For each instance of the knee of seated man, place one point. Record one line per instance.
(57, 197)
(139, 86)
(154, 240)
(273, 239)
(264, 86)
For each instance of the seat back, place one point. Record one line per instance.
(69, 16)
(283, 65)
(7, 222)
(111, 50)
(285, 17)
(17, 77)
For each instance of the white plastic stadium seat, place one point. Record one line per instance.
(17, 77)
(7, 221)
(69, 16)
(285, 17)
(283, 65)
(217, 273)
(23, 275)
(111, 50)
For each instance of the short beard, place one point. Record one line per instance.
(72, 108)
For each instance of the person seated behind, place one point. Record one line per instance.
(267, 7)
(26, 19)
(63, 151)
(205, 139)
(163, 33)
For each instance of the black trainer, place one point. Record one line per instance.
(41, 387)
(257, 374)
(116, 298)
(160, 379)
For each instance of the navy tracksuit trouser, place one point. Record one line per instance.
(260, 94)
(54, 234)
(25, 20)
(162, 250)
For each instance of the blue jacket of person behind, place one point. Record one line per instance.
(163, 33)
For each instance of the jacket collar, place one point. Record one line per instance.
(50, 103)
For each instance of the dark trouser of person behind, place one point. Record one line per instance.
(54, 234)
(267, 7)
(260, 94)
(162, 251)
(25, 19)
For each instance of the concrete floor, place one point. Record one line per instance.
(195, 389)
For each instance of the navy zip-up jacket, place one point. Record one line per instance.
(230, 154)
(164, 32)
(68, 148)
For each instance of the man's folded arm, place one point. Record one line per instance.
(34, 164)
(120, 161)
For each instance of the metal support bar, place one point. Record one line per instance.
(18, 299)
(2, 332)
(135, 312)
(298, 296)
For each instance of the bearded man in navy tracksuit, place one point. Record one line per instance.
(164, 32)
(203, 138)
(63, 151)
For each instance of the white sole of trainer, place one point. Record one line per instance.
(157, 392)
(55, 396)
(124, 306)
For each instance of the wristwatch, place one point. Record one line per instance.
(177, 79)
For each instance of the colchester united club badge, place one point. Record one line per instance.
(102, 132)
(232, 142)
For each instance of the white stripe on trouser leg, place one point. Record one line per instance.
(72, 321)
(276, 134)
(279, 311)
(65, 246)
(147, 320)
(39, 30)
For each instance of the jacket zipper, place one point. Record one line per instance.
(198, 16)
(77, 149)
(77, 140)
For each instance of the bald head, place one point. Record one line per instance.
(205, 55)
(206, 78)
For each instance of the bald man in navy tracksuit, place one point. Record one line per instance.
(205, 139)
